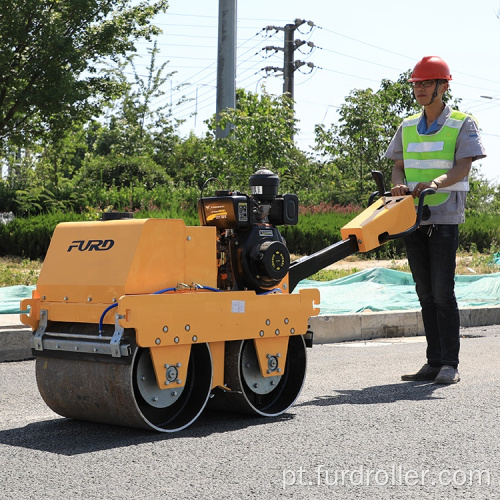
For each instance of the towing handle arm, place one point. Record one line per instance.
(310, 264)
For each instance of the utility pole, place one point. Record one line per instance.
(290, 45)
(288, 59)
(226, 62)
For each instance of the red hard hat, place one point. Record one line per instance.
(430, 68)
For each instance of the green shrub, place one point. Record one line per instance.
(30, 237)
(126, 171)
(480, 232)
(314, 232)
(7, 197)
(317, 228)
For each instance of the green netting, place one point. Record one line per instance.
(381, 289)
(10, 297)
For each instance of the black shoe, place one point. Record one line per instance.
(447, 375)
(427, 372)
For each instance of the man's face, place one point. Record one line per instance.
(423, 90)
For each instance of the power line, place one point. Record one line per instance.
(193, 36)
(364, 43)
(249, 71)
(209, 26)
(358, 58)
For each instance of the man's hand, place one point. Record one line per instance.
(398, 179)
(421, 186)
(400, 190)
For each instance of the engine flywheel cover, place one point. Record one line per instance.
(273, 259)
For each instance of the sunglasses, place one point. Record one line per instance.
(426, 84)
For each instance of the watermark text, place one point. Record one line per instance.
(397, 475)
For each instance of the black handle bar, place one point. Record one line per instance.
(423, 211)
(420, 211)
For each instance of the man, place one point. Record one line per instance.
(435, 149)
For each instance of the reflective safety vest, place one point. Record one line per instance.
(429, 156)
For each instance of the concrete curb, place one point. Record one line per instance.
(14, 340)
(15, 343)
(385, 324)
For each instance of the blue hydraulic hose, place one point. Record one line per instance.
(102, 317)
(274, 290)
(201, 287)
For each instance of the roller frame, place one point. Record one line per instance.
(227, 316)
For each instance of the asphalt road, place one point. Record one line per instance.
(356, 432)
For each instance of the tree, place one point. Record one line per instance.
(50, 55)
(483, 195)
(61, 158)
(133, 144)
(262, 127)
(134, 125)
(354, 146)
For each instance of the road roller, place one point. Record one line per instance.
(144, 322)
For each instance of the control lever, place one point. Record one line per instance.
(379, 181)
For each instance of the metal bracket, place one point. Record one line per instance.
(66, 342)
(117, 337)
(42, 326)
(83, 346)
(309, 338)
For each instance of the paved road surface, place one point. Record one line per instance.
(356, 432)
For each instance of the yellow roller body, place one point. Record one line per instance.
(94, 263)
(166, 320)
(388, 215)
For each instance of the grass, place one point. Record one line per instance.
(18, 271)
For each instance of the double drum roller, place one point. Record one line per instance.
(143, 322)
(128, 395)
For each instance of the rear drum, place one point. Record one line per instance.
(252, 393)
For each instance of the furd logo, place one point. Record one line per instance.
(91, 245)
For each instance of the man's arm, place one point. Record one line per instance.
(455, 174)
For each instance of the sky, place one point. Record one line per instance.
(357, 44)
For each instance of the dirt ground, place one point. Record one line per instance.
(350, 263)
(354, 262)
